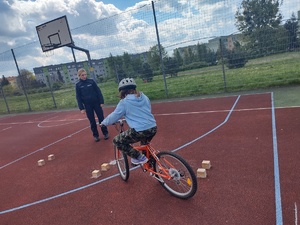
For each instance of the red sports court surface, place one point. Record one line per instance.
(253, 149)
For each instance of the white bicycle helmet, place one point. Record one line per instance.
(127, 83)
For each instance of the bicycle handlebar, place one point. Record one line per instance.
(121, 121)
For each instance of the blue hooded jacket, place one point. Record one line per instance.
(136, 108)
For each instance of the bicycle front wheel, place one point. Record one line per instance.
(183, 182)
(122, 163)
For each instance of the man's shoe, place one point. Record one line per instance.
(106, 136)
(97, 139)
(141, 159)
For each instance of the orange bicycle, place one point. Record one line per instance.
(171, 170)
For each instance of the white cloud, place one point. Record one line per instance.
(104, 29)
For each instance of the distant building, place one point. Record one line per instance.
(67, 72)
(183, 50)
(228, 42)
(213, 44)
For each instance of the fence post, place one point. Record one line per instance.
(160, 54)
(223, 69)
(51, 90)
(28, 103)
(87, 52)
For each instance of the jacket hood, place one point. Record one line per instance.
(136, 99)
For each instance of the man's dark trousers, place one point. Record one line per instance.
(90, 109)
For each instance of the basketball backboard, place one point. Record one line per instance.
(54, 34)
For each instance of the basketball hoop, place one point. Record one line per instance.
(54, 34)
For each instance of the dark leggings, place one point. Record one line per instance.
(130, 136)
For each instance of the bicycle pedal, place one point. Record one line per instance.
(152, 174)
(134, 165)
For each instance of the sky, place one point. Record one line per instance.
(121, 4)
(180, 21)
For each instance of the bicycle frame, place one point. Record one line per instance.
(172, 171)
(150, 151)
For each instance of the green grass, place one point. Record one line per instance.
(267, 73)
(287, 96)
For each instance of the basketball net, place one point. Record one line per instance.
(49, 53)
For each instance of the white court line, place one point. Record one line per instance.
(31, 122)
(47, 120)
(57, 125)
(115, 175)
(296, 214)
(42, 148)
(4, 129)
(61, 124)
(279, 220)
(221, 124)
(53, 121)
(108, 178)
(211, 111)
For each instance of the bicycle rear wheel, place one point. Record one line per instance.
(183, 183)
(122, 163)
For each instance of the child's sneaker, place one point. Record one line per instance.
(141, 159)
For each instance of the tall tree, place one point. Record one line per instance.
(291, 26)
(171, 66)
(146, 73)
(191, 55)
(27, 80)
(116, 64)
(127, 65)
(258, 20)
(201, 52)
(211, 57)
(136, 65)
(111, 65)
(60, 78)
(24, 79)
(186, 57)
(4, 81)
(154, 57)
(178, 57)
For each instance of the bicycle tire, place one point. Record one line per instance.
(184, 182)
(122, 163)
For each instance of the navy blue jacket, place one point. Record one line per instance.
(87, 92)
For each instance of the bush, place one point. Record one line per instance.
(236, 60)
(56, 86)
(17, 92)
(194, 65)
(8, 90)
(146, 73)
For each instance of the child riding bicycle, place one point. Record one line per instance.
(135, 106)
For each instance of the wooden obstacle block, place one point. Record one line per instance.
(201, 173)
(105, 167)
(51, 157)
(96, 174)
(41, 162)
(206, 164)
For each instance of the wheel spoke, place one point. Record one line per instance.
(183, 182)
(122, 163)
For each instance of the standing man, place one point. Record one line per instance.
(90, 100)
